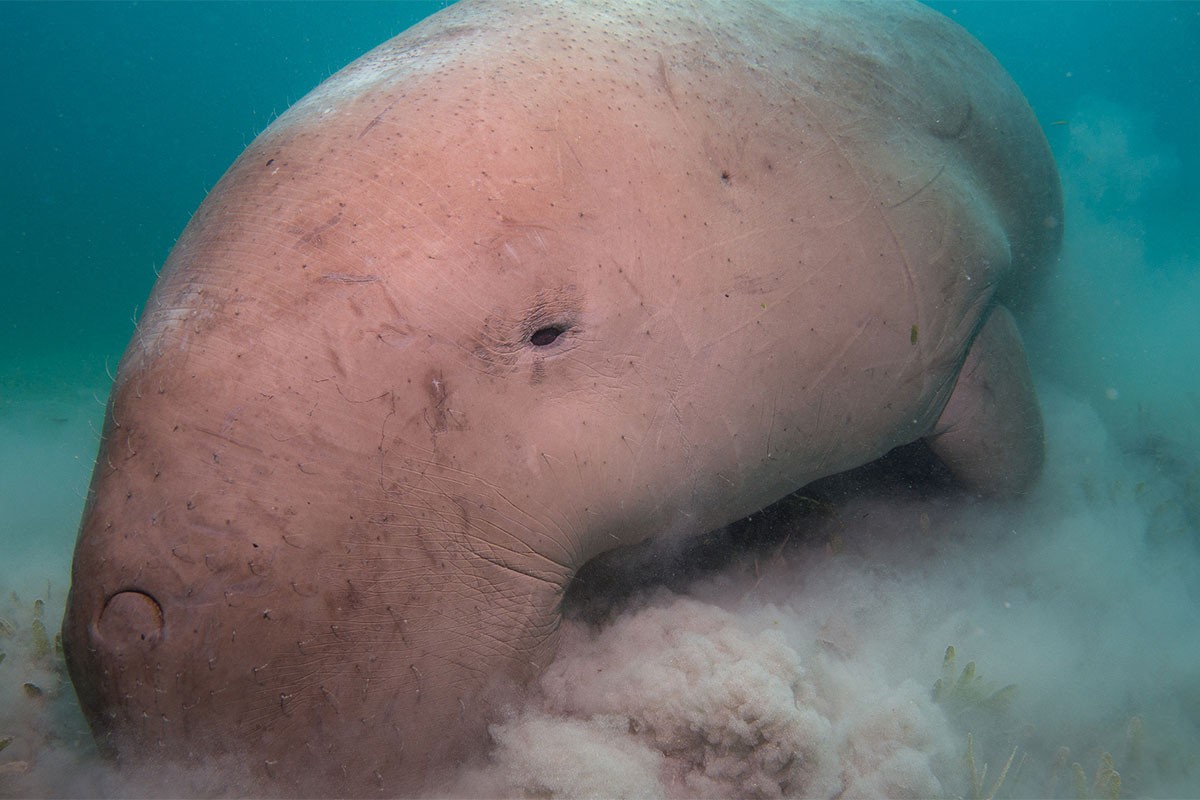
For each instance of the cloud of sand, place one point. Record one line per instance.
(1118, 326)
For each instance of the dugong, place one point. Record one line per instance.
(530, 281)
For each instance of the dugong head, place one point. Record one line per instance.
(528, 282)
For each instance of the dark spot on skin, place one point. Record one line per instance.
(550, 320)
(725, 178)
(547, 335)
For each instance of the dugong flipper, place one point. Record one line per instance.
(990, 431)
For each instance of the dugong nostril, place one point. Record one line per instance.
(130, 616)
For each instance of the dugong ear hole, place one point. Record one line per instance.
(546, 335)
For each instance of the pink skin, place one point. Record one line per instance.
(464, 318)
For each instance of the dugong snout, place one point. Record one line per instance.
(203, 615)
(105, 637)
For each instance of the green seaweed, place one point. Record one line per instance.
(39, 646)
(1060, 762)
(1108, 781)
(978, 776)
(962, 693)
(1105, 785)
(1079, 781)
(968, 691)
(1135, 740)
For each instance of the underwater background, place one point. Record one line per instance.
(117, 118)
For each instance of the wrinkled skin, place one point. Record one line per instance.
(528, 282)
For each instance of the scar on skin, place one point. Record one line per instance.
(339, 277)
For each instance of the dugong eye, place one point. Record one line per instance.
(544, 336)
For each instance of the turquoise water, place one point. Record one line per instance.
(119, 117)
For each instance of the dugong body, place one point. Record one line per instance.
(530, 281)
